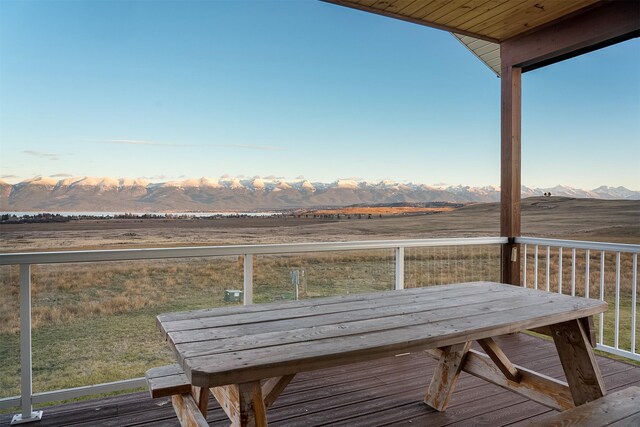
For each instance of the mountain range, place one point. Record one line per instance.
(234, 194)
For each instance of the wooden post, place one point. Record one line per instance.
(510, 170)
(446, 375)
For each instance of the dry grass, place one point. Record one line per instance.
(376, 211)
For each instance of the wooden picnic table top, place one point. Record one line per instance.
(232, 345)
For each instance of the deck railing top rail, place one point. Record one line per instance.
(207, 251)
(575, 244)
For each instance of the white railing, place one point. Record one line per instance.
(615, 281)
(26, 260)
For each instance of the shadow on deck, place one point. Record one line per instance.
(384, 392)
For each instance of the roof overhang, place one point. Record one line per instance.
(480, 25)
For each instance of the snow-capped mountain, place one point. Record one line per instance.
(227, 193)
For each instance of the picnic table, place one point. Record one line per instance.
(246, 355)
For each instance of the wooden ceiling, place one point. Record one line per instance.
(490, 20)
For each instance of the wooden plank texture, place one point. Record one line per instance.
(272, 388)
(501, 361)
(622, 406)
(261, 323)
(187, 411)
(264, 334)
(167, 380)
(314, 307)
(578, 360)
(532, 385)
(261, 353)
(493, 20)
(446, 375)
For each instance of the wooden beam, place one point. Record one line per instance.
(582, 32)
(578, 361)
(446, 375)
(383, 12)
(510, 170)
(500, 359)
(532, 385)
(201, 397)
(272, 388)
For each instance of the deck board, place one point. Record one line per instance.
(382, 392)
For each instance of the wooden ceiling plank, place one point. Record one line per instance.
(369, 3)
(508, 31)
(414, 7)
(429, 8)
(494, 14)
(398, 5)
(395, 15)
(509, 15)
(468, 8)
(451, 7)
(470, 15)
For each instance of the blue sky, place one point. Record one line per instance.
(166, 90)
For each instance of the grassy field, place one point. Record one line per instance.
(95, 322)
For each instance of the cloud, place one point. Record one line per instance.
(61, 175)
(155, 177)
(50, 156)
(300, 177)
(252, 147)
(134, 142)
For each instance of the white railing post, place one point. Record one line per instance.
(616, 335)
(26, 392)
(399, 268)
(587, 274)
(547, 269)
(560, 270)
(248, 279)
(634, 287)
(601, 296)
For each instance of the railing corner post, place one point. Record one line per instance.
(27, 414)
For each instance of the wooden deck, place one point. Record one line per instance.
(383, 392)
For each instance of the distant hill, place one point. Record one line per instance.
(232, 194)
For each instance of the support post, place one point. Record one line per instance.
(26, 392)
(399, 268)
(510, 170)
(248, 279)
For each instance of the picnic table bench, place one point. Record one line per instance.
(246, 355)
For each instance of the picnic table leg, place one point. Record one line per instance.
(201, 397)
(573, 342)
(187, 411)
(243, 404)
(446, 375)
